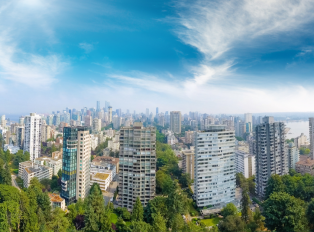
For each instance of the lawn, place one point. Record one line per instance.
(193, 210)
(114, 218)
(211, 222)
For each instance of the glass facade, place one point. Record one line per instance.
(69, 168)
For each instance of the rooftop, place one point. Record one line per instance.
(55, 197)
(305, 160)
(102, 176)
(106, 159)
(35, 168)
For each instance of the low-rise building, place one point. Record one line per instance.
(189, 137)
(57, 154)
(188, 161)
(293, 155)
(245, 163)
(106, 151)
(101, 162)
(56, 201)
(114, 145)
(94, 141)
(35, 170)
(305, 165)
(54, 164)
(171, 138)
(11, 148)
(103, 179)
(301, 141)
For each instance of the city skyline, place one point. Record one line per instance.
(163, 54)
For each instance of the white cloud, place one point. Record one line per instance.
(215, 27)
(87, 47)
(305, 51)
(17, 65)
(208, 98)
(29, 69)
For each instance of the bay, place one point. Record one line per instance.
(296, 128)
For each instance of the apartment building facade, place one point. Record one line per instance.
(137, 165)
(76, 163)
(270, 152)
(32, 135)
(214, 167)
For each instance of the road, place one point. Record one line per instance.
(13, 176)
(110, 191)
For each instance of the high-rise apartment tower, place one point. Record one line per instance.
(32, 135)
(110, 114)
(215, 180)
(175, 121)
(137, 164)
(76, 157)
(270, 152)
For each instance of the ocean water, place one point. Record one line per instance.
(296, 128)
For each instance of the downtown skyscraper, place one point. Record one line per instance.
(270, 152)
(137, 161)
(175, 121)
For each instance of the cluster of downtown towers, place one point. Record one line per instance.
(215, 168)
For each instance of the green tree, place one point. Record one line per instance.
(29, 220)
(164, 183)
(274, 184)
(304, 151)
(97, 217)
(58, 222)
(5, 175)
(11, 213)
(122, 226)
(246, 212)
(60, 173)
(284, 213)
(9, 193)
(177, 222)
(231, 223)
(154, 206)
(229, 209)
(95, 209)
(160, 137)
(42, 198)
(75, 210)
(55, 184)
(292, 172)
(4, 225)
(177, 203)
(258, 219)
(240, 179)
(185, 180)
(159, 223)
(310, 212)
(251, 185)
(41, 220)
(46, 183)
(106, 224)
(138, 211)
(140, 226)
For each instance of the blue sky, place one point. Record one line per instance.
(209, 56)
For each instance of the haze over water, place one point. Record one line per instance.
(296, 128)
